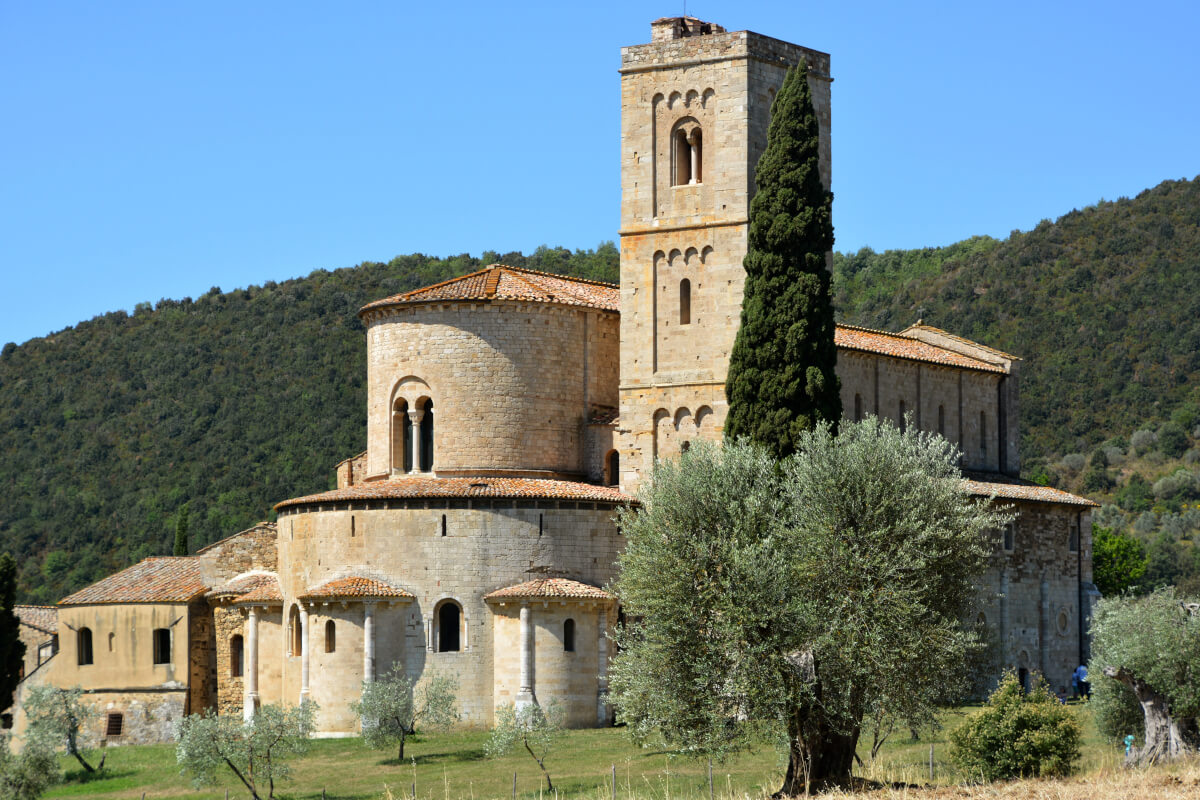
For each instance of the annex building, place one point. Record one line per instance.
(510, 413)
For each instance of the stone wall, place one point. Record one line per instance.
(252, 549)
(202, 659)
(228, 621)
(352, 471)
(512, 383)
(489, 544)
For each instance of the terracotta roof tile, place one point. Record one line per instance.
(356, 586)
(901, 346)
(439, 488)
(500, 282)
(40, 618)
(154, 580)
(258, 587)
(550, 587)
(1006, 487)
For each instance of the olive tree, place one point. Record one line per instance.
(256, 751)
(62, 717)
(391, 708)
(1149, 648)
(25, 775)
(793, 598)
(536, 728)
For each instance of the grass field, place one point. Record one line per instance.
(452, 766)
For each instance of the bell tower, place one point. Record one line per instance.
(695, 105)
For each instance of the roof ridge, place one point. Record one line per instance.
(493, 280)
(529, 271)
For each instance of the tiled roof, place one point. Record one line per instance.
(355, 586)
(438, 488)
(154, 580)
(266, 593)
(500, 282)
(550, 587)
(921, 326)
(1006, 487)
(604, 416)
(40, 618)
(901, 346)
(257, 587)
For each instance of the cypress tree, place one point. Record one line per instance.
(181, 532)
(12, 649)
(781, 378)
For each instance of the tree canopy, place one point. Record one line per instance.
(795, 597)
(781, 379)
(12, 649)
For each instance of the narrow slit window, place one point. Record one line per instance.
(443, 524)
(858, 411)
(902, 420)
(1073, 538)
(685, 302)
(683, 159)
(295, 633)
(941, 420)
(449, 621)
(614, 468)
(569, 636)
(427, 438)
(330, 637)
(982, 435)
(237, 656)
(1009, 538)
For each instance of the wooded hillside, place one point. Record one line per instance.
(234, 401)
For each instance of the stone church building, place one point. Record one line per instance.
(510, 413)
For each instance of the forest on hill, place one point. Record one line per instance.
(236, 400)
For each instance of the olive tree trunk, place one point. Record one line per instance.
(820, 757)
(1166, 736)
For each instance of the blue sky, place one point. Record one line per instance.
(157, 149)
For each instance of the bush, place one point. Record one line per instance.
(1018, 735)
(1073, 462)
(1142, 441)
(1173, 440)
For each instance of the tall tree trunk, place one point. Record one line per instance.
(819, 756)
(1165, 739)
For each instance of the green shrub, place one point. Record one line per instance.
(1018, 735)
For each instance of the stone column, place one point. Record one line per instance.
(602, 670)
(416, 415)
(250, 667)
(303, 654)
(525, 691)
(368, 642)
(694, 152)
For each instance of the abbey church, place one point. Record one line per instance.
(510, 413)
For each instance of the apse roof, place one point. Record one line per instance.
(500, 282)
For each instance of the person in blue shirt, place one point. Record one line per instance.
(1080, 678)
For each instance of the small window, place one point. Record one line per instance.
(449, 620)
(685, 302)
(83, 645)
(114, 726)
(982, 435)
(1009, 536)
(162, 645)
(858, 413)
(685, 446)
(569, 636)
(1073, 537)
(614, 468)
(903, 421)
(111, 639)
(6, 722)
(941, 420)
(44, 652)
(237, 656)
(443, 524)
(330, 637)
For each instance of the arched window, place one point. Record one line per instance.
(858, 415)
(162, 645)
(613, 468)
(697, 156)
(111, 641)
(1009, 537)
(295, 632)
(401, 436)
(569, 636)
(449, 624)
(941, 420)
(684, 446)
(237, 656)
(683, 159)
(427, 438)
(982, 435)
(685, 302)
(330, 637)
(902, 420)
(83, 645)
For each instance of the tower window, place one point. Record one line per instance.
(685, 302)
(614, 468)
(330, 637)
(686, 154)
(427, 438)
(449, 622)
(295, 632)
(569, 636)
(401, 437)
(162, 645)
(83, 646)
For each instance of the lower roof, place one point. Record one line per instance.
(167, 579)
(40, 618)
(1006, 487)
(449, 488)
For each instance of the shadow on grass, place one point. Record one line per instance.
(449, 757)
(107, 774)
